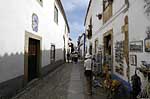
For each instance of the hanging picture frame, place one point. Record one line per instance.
(133, 60)
(136, 46)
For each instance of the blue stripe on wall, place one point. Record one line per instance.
(125, 83)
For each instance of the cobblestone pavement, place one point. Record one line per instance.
(66, 82)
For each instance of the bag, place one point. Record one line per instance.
(85, 72)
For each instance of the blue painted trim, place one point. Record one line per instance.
(84, 41)
(125, 83)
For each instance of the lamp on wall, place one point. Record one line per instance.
(90, 27)
(99, 16)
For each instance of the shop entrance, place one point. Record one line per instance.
(33, 57)
(90, 49)
(108, 49)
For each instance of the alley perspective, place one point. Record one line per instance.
(75, 49)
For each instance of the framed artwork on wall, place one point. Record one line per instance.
(35, 22)
(136, 46)
(133, 60)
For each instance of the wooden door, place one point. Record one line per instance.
(33, 59)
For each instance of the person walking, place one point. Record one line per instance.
(136, 85)
(68, 57)
(94, 69)
(76, 57)
(88, 73)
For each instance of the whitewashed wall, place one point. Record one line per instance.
(16, 18)
(138, 22)
(119, 36)
(115, 23)
(12, 29)
(66, 35)
(50, 31)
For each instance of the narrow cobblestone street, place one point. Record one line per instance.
(75, 49)
(66, 82)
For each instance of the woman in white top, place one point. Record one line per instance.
(88, 73)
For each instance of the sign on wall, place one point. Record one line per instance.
(35, 22)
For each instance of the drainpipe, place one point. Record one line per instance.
(84, 44)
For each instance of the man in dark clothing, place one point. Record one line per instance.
(75, 57)
(136, 85)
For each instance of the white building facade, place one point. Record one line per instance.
(116, 29)
(34, 37)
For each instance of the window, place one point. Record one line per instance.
(106, 3)
(56, 15)
(52, 53)
(107, 10)
(40, 2)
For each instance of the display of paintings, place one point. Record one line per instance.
(133, 60)
(108, 60)
(119, 70)
(99, 60)
(136, 46)
(119, 57)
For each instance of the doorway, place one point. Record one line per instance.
(33, 57)
(90, 49)
(108, 44)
